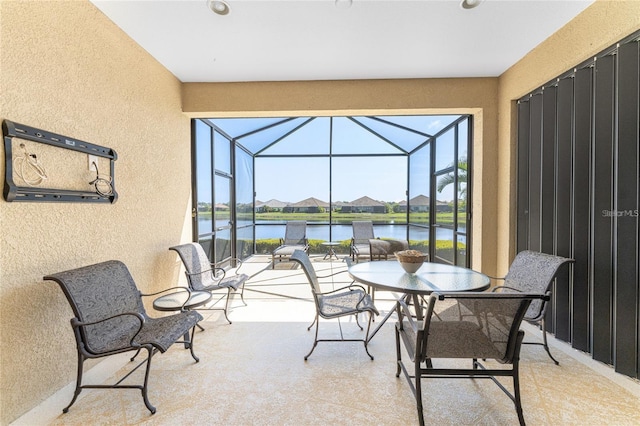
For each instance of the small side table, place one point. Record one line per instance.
(331, 252)
(182, 300)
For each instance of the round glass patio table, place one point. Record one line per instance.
(388, 275)
(181, 300)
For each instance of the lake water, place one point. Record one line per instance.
(340, 232)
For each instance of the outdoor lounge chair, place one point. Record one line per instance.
(345, 301)
(533, 272)
(110, 319)
(295, 238)
(487, 329)
(365, 245)
(205, 276)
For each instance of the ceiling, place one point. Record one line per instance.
(265, 40)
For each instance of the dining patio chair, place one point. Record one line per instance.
(202, 275)
(109, 318)
(295, 238)
(533, 272)
(341, 302)
(488, 330)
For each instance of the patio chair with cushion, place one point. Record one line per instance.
(489, 329)
(109, 318)
(342, 302)
(295, 238)
(533, 272)
(202, 275)
(365, 245)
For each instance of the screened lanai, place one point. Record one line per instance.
(406, 174)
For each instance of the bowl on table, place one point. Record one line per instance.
(410, 260)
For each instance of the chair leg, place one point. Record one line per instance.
(358, 322)
(418, 383)
(314, 321)
(515, 370)
(78, 389)
(398, 353)
(366, 339)
(146, 381)
(545, 344)
(315, 340)
(226, 305)
(516, 393)
(242, 295)
(143, 388)
(193, 355)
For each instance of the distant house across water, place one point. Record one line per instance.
(364, 205)
(272, 205)
(420, 203)
(310, 205)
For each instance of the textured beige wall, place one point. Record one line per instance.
(602, 24)
(67, 69)
(477, 96)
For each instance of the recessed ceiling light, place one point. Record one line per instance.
(221, 7)
(470, 4)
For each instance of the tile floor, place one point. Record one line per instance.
(252, 372)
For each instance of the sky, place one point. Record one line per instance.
(348, 140)
(295, 179)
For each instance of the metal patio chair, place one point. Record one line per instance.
(202, 275)
(345, 301)
(109, 318)
(489, 329)
(295, 238)
(533, 272)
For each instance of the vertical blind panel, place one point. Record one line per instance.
(535, 172)
(579, 197)
(522, 232)
(602, 207)
(564, 180)
(626, 321)
(548, 184)
(581, 208)
(548, 170)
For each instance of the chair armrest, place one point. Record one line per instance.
(76, 323)
(349, 287)
(502, 287)
(211, 271)
(495, 278)
(236, 260)
(491, 295)
(335, 273)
